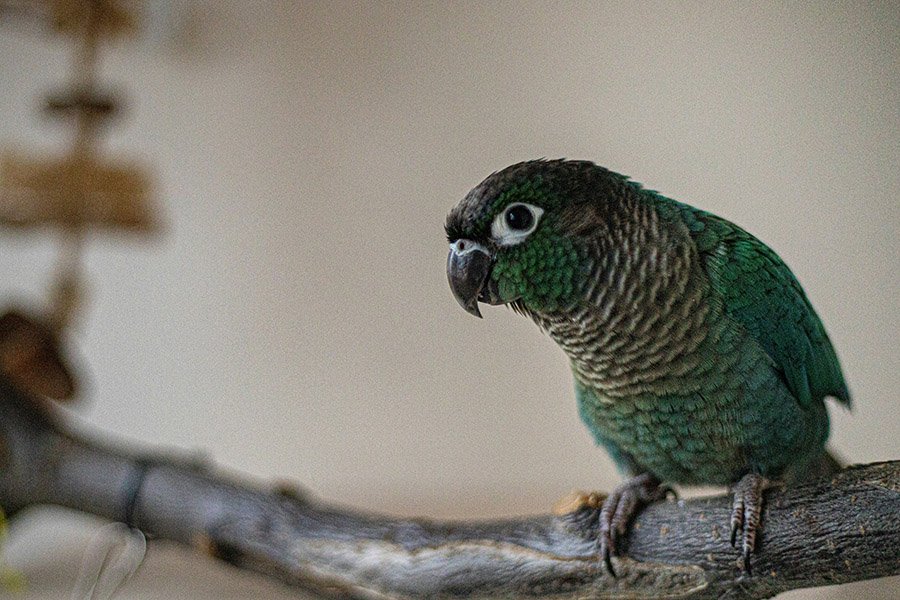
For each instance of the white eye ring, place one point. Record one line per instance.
(505, 235)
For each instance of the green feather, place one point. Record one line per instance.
(761, 293)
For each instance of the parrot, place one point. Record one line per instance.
(696, 355)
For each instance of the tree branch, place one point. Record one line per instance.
(836, 530)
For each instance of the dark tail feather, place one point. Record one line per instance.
(822, 465)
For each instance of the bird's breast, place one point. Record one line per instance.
(645, 323)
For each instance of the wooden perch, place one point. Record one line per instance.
(836, 530)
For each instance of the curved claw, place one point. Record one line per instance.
(746, 514)
(620, 506)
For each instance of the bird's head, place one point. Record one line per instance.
(519, 237)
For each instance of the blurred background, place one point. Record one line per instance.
(291, 318)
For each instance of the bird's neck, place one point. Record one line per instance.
(641, 309)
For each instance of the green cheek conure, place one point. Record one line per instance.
(696, 355)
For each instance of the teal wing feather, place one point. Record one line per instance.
(759, 291)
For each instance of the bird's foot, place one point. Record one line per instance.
(620, 506)
(746, 513)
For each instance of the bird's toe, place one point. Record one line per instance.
(619, 508)
(746, 515)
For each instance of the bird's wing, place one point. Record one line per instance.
(760, 292)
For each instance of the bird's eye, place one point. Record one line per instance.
(518, 217)
(515, 223)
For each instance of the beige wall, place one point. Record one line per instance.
(295, 320)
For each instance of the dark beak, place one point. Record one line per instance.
(468, 269)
